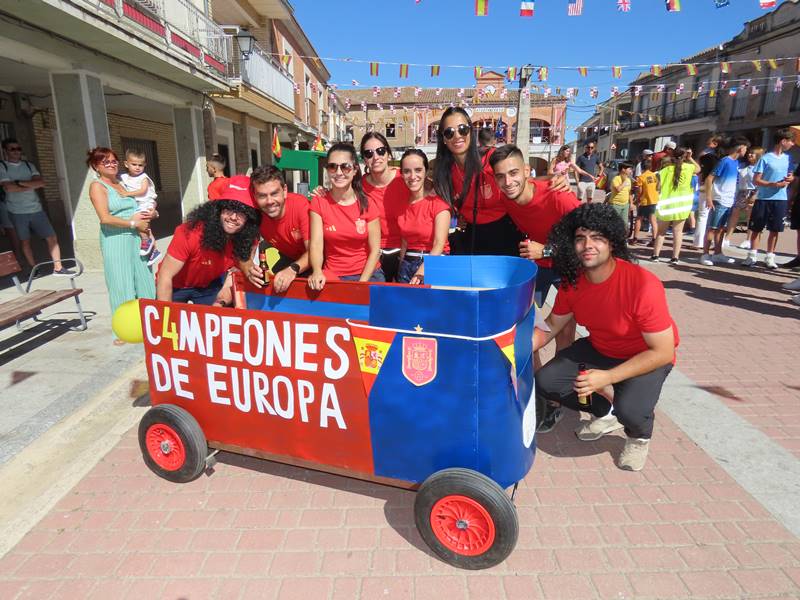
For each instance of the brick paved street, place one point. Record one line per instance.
(681, 528)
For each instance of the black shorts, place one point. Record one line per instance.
(769, 215)
(646, 211)
(498, 238)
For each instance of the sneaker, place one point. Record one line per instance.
(707, 260)
(64, 272)
(145, 247)
(752, 259)
(154, 258)
(793, 286)
(597, 428)
(745, 245)
(674, 261)
(551, 417)
(769, 262)
(723, 260)
(654, 258)
(796, 299)
(634, 454)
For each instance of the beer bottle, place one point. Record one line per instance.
(584, 401)
(262, 261)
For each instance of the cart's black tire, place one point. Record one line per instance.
(452, 499)
(172, 443)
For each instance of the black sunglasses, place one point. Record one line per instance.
(333, 167)
(367, 154)
(462, 130)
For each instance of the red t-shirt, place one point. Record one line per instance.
(417, 223)
(616, 312)
(345, 234)
(201, 265)
(289, 233)
(390, 201)
(490, 201)
(536, 218)
(217, 187)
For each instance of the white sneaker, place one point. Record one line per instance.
(590, 431)
(745, 245)
(634, 454)
(723, 260)
(769, 262)
(793, 286)
(706, 260)
(752, 259)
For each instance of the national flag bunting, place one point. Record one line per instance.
(616, 72)
(757, 65)
(318, 145)
(373, 69)
(372, 347)
(505, 342)
(582, 71)
(624, 5)
(477, 72)
(355, 82)
(481, 8)
(767, 3)
(778, 84)
(593, 92)
(773, 64)
(574, 8)
(722, 3)
(403, 71)
(526, 9)
(276, 143)
(655, 70)
(725, 67)
(673, 5)
(543, 72)
(435, 70)
(285, 60)
(691, 69)
(511, 74)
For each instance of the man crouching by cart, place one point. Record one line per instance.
(632, 337)
(215, 236)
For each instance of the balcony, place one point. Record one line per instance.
(262, 73)
(678, 111)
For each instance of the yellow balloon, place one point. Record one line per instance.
(126, 323)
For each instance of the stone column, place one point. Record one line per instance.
(265, 143)
(190, 149)
(210, 130)
(80, 109)
(241, 147)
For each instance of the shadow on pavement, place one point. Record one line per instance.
(561, 442)
(736, 299)
(38, 335)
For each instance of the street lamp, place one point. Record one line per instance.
(245, 41)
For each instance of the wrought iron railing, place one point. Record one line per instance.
(260, 71)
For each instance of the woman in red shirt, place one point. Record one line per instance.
(216, 235)
(465, 180)
(424, 224)
(378, 183)
(345, 226)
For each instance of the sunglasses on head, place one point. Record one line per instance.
(333, 167)
(462, 130)
(367, 154)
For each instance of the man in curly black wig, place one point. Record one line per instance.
(632, 337)
(216, 235)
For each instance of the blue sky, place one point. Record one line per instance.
(447, 32)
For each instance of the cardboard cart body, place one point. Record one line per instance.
(427, 387)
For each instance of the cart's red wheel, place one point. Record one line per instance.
(466, 518)
(165, 447)
(172, 443)
(462, 525)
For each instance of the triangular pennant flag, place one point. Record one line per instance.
(757, 65)
(435, 70)
(526, 9)
(691, 69)
(318, 145)
(372, 347)
(403, 71)
(286, 59)
(373, 69)
(511, 73)
(582, 71)
(655, 70)
(673, 5)
(276, 143)
(478, 71)
(481, 8)
(543, 72)
(767, 3)
(616, 72)
(624, 5)
(725, 67)
(773, 64)
(505, 341)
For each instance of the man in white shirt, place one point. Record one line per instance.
(20, 180)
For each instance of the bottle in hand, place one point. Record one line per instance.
(262, 261)
(584, 401)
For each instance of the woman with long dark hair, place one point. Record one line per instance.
(465, 180)
(345, 226)
(382, 186)
(562, 164)
(425, 222)
(215, 237)
(675, 202)
(127, 276)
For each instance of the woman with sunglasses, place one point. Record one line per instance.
(345, 226)
(384, 189)
(425, 222)
(127, 276)
(465, 180)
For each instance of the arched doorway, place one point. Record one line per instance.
(433, 133)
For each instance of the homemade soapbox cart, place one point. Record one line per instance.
(421, 387)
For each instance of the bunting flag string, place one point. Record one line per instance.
(526, 9)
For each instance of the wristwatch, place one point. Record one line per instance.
(295, 267)
(547, 251)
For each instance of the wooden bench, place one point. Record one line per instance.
(30, 303)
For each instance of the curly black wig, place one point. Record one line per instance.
(214, 236)
(595, 217)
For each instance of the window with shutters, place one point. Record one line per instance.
(150, 151)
